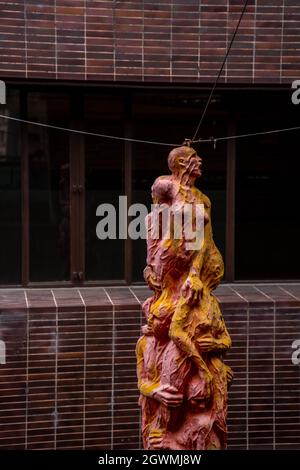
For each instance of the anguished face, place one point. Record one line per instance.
(185, 160)
(194, 165)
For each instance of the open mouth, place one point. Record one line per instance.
(196, 169)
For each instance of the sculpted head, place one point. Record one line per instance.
(162, 191)
(185, 161)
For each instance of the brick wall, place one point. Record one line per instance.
(149, 41)
(69, 381)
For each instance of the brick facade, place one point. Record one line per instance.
(69, 381)
(150, 41)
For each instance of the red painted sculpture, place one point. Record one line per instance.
(182, 378)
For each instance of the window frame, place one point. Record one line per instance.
(77, 177)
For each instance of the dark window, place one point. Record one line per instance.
(10, 192)
(104, 183)
(52, 181)
(49, 180)
(267, 202)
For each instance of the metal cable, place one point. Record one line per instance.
(221, 70)
(241, 136)
(94, 134)
(199, 141)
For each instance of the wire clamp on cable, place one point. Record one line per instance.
(214, 142)
(187, 142)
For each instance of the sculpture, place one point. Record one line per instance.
(182, 379)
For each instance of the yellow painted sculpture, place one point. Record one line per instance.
(182, 378)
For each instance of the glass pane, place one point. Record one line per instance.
(171, 118)
(10, 192)
(104, 170)
(49, 188)
(267, 198)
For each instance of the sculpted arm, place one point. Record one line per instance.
(209, 343)
(145, 386)
(182, 339)
(165, 394)
(224, 340)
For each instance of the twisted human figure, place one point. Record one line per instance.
(182, 377)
